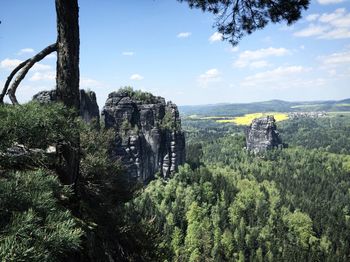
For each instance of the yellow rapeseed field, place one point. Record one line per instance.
(248, 118)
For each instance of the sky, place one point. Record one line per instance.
(170, 50)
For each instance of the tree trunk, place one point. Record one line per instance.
(68, 78)
(68, 52)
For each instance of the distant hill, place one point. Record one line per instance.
(267, 106)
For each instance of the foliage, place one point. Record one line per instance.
(36, 126)
(169, 122)
(327, 133)
(215, 214)
(144, 97)
(102, 189)
(194, 154)
(289, 205)
(34, 224)
(100, 178)
(234, 19)
(125, 125)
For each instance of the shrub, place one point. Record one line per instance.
(34, 224)
(139, 95)
(36, 126)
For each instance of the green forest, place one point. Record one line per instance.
(224, 204)
(133, 177)
(229, 205)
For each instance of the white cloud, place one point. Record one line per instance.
(234, 49)
(335, 25)
(52, 55)
(259, 64)
(210, 76)
(43, 76)
(184, 34)
(10, 64)
(86, 82)
(136, 77)
(326, 2)
(312, 30)
(281, 77)
(340, 33)
(336, 59)
(26, 51)
(215, 37)
(332, 72)
(128, 53)
(312, 17)
(41, 67)
(247, 57)
(284, 27)
(328, 17)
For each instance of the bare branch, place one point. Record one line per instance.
(9, 79)
(27, 65)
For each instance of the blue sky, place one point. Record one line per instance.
(163, 47)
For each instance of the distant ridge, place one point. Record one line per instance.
(347, 101)
(275, 105)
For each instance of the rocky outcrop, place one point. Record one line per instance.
(88, 105)
(148, 133)
(45, 97)
(262, 135)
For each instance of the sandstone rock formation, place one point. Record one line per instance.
(148, 133)
(88, 106)
(262, 135)
(89, 109)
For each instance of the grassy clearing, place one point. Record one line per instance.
(341, 105)
(248, 118)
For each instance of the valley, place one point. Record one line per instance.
(175, 131)
(227, 204)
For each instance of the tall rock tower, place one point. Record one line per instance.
(262, 135)
(148, 133)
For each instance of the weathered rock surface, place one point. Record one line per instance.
(46, 97)
(148, 133)
(88, 105)
(262, 135)
(18, 157)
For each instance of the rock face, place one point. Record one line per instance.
(148, 133)
(262, 135)
(46, 97)
(88, 106)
